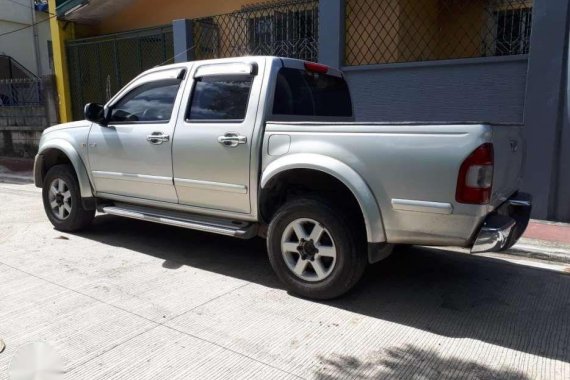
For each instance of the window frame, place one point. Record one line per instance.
(195, 81)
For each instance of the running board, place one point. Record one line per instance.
(238, 229)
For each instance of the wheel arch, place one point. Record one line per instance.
(59, 152)
(350, 179)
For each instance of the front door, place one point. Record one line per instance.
(131, 156)
(212, 144)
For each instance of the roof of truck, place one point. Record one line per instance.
(289, 62)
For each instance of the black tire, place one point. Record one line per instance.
(76, 219)
(350, 245)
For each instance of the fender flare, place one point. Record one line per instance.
(344, 173)
(80, 169)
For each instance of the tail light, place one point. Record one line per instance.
(316, 68)
(475, 180)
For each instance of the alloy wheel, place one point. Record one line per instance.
(308, 249)
(60, 199)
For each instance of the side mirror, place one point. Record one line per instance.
(95, 113)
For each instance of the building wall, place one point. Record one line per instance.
(20, 45)
(460, 29)
(368, 34)
(486, 89)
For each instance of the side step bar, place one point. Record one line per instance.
(238, 229)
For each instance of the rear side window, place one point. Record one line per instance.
(220, 98)
(303, 93)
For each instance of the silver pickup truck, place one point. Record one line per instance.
(268, 146)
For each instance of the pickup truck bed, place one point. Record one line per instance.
(411, 169)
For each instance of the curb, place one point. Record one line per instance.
(15, 177)
(556, 255)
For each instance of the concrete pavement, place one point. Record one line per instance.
(134, 300)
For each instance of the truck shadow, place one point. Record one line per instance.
(522, 308)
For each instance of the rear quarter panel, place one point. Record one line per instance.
(411, 170)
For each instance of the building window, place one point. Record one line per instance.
(286, 28)
(513, 31)
(286, 34)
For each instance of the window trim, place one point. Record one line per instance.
(195, 80)
(112, 107)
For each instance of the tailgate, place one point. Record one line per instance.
(509, 151)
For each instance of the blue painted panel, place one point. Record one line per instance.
(485, 89)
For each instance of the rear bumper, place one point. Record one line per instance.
(504, 226)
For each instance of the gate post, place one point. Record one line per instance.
(183, 40)
(331, 32)
(59, 35)
(544, 103)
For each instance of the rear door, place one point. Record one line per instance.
(213, 139)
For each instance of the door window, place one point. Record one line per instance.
(220, 98)
(149, 103)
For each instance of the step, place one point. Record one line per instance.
(238, 229)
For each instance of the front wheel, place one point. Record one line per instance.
(62, 200)
(314, 251)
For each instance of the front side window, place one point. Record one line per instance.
(220, 98)
(150, 102)
(303, 93)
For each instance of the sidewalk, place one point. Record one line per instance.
(542, 240)
(17, 169)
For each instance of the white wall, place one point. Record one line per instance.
(20, 45)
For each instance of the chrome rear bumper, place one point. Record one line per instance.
(505, 226)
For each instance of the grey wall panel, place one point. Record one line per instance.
(544, 113)
(488, 89)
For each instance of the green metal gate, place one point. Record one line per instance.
(100, 66)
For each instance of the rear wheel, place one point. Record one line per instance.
(314, 251)
(62, 200)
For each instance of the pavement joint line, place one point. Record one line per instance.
(158, 324)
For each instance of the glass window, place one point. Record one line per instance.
(513, 31)
(220, 98)
(150, 102)
(303, 93)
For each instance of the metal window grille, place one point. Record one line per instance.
(282, 28)
(100, 66)
(393, 31)
(20, 92)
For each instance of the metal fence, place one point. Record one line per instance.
(100, 66)
(391, 31)
(20, 92)
(282, 28)
(27, 107)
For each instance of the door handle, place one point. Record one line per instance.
(232, 139)
(157, 138)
